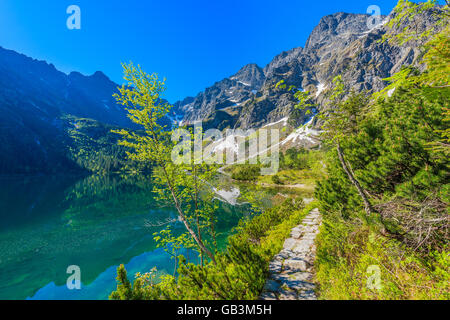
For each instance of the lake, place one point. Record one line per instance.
(48, 223)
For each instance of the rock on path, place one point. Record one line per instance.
(291, 271)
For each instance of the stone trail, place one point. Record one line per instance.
(291, 271)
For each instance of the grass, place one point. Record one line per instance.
(355, 262)
(299, 169)
(304, 177)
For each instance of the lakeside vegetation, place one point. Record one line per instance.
(240, 271)
(381, 184)
(385, 200)
(93, 147)
(297, 167)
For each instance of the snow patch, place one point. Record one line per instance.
(303, 133)
(391, 92)
(284, 121)
(228, 143)
(378, 26)
(320, 88)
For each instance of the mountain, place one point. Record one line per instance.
(46, 90)
(54, 122)
(216, 106)
(341, 44)
(39, 106)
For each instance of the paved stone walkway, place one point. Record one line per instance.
(291, 271)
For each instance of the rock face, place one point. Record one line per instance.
(220, 104)
(341, 44)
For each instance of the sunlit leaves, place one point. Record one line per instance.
(182, 185)
(404, 26)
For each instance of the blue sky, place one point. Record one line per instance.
(192, 43)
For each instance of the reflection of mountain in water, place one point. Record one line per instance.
(230, 196)
(49, 223)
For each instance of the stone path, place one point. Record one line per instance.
(291, 271)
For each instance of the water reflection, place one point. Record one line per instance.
(96, 222)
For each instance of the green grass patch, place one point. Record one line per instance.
(355, 262)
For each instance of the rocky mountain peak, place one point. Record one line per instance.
(336, 25)
(251, 75)
(100, 76)
(282, 59)
(341, 44)
(221, 102)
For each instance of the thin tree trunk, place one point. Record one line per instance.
(175, 268)
(213, 232)
(348, 170)
(199, 232)
(177, 204)
(186, 224)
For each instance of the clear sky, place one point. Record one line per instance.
(193, 43)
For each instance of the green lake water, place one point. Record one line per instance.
(96, 223)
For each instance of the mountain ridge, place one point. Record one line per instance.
(341, 44)
(40, 112)
(36, 99)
